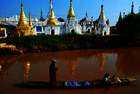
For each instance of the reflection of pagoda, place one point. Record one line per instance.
(128, 63)
(27, 67)
(71, 68)
(102, 61)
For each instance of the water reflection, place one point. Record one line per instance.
(102, 60)
(77, 65)
(4, 69)
(128, 63)
(72, 67)
(82, 65)
(27, 67)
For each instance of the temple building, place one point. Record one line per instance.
(71, 24)
(52, 26)
(40, 24)
(102, 26)
(23, 27)
(87, 24)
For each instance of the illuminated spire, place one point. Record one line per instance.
(71, 11)
(102, 16)
(132, 8)
(22, 18)
(52, 19)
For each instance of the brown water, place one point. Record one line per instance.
(72, 65)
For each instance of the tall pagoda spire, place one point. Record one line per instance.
(41, 16)
(132, 8)
(22, 19)
(30, 19)
(71, 11)
(86, 14)
(102, 16)
(120, 17)
(52, 19)
(139, 9)
(23, 27)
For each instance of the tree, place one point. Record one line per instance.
(129, 25)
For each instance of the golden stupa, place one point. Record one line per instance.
(71, 11)
(52, 21)
(23, 27)
(102, 16)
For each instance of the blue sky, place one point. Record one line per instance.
(112, 8)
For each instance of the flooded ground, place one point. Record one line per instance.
(72, 65)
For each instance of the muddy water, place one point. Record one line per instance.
(72, 65)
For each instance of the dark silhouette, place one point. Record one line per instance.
(52, 73)
(112, 78)
(106, 79)
(107, 75)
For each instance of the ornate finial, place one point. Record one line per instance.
(22, 6)
(51, 15)
(70, 2)
(123, 14)
(139, 9)
(86, 14)
(132, 8)
(51, 4)
(102, 13)
(21, 3)
(102, 6)
(41, 14)
(120, 17)
(30, 19)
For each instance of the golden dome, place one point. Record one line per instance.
(52, 19)
(71, 11)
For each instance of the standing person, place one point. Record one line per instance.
(52, 73)
(106, 77)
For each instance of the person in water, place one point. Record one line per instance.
(52, 73)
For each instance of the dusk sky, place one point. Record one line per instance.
(112, 8)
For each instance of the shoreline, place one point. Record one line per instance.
(26, 51)
(38, 44)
